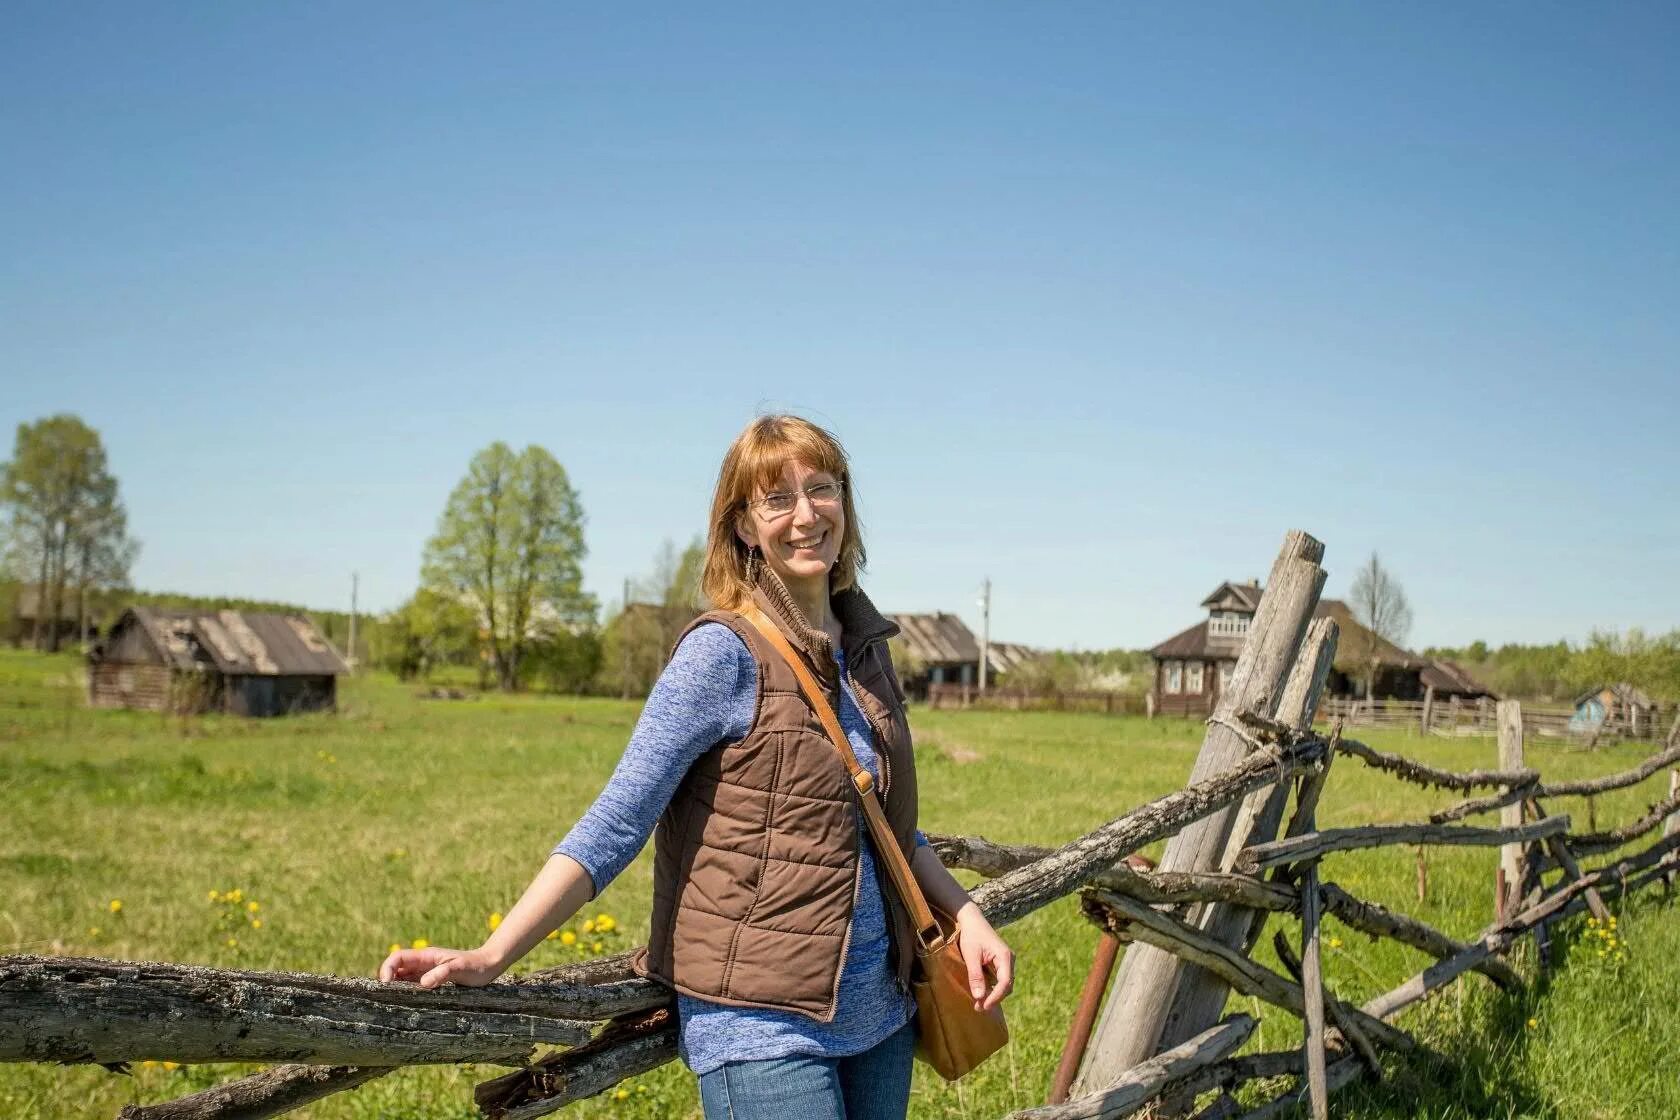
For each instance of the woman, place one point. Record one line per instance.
(789, 955)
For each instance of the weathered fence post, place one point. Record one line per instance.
(1672, 824)
(1428, 710)
(1136, 1012)
(1512, 859)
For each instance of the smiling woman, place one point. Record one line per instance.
(788, 945)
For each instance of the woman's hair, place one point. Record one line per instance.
(752, 465)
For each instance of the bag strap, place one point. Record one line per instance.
(886, 844)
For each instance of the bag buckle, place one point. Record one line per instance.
(863, 781)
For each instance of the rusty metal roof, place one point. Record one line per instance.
(245, 643)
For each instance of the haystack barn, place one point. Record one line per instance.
(241, 662)
(1193, 667)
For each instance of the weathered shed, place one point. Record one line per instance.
(241, 662)
(943, 650)
(1621, 706)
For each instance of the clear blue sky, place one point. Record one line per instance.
(1103, 298)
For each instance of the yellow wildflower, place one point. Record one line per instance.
(233, 943)
(395, 945)
(256, 923)
(495, 918)
(620, 1095)
(215, 896)
(116, 906)
(552, 934)
(1591, 922)
(605, 923)
(568, 938)
(1611, 921)
(148, 1062)
(93, 931)
(595, 948)
(419, 943)
(641, 1088)
(589, 925)
(237, 894)
(1335, 943)
(1532, 1023)
(252, 906)
(171, 1065)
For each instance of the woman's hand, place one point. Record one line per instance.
(472, 968)
(983, 950)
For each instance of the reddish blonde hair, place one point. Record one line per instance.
(751, 466)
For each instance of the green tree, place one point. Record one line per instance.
(429, 630)
(637, 640)
(510, 543)
(66, 523)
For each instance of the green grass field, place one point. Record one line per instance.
(400, 818)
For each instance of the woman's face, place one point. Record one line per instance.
(802, 543)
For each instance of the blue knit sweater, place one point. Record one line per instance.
(706, 696)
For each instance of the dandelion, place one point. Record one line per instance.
(233, 943)
(396, 946)
(595, 948)
(236, 895)
(419, 943)
(495, 919)
(568, 938)
(93, 931)
(252, 906)
(1335, 943)
(589, 925)
(116, 906)
(1611, 921)
(256, 923)
(621, 1095)
(606, 923)
(171, 1065)
(641, 1088)
(1592, 923)
(1532, 1023)
(215, 896)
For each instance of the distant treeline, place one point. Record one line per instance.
(1562, 671)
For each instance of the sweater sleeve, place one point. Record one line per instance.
(705, 696)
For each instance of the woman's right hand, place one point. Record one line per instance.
(472, 968)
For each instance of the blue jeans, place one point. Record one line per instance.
(873, 1085)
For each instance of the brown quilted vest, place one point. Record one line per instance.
(756, 865)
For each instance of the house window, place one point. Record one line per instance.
(1193, 679)
(1228, 624)
(1226, 668)
(1175, 676)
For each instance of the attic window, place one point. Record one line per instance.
(1227, 624)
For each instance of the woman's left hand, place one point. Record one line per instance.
(983, 951)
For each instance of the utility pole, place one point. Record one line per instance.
(985, 628)
(354, 578)
(624, 644)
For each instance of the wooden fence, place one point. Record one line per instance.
(1160, 1043)
(1454, 717)
(1020, 699)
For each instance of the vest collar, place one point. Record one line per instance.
(860, 623)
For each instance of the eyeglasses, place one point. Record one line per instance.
(783, 502)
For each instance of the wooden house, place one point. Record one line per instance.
(943, 650)
(1193, 668)
(241, 662)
